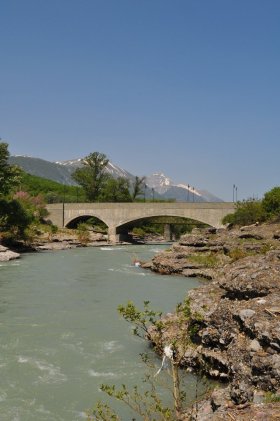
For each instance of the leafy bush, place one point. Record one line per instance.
(247, 212)
(33, 205)
(14, 218)
(83, 233)
(271, 202)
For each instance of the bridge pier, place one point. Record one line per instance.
(113, 237)
(167, 232)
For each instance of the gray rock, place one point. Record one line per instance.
(254, 345)
(246, 313)
(7, 255)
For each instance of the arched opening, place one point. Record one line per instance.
(157, 228)
(92, 222)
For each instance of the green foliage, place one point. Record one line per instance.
(14, 218)
(83, 233)
(138, 187)
(184, 308)
(206, 260)
(33, 205)
(10, 175)
(146, 227)
(247, 212)
(271, 397)
(271, 202)
(140, 319)
(52, 191)
(97, 225)
(140, 232)
(92, 176)
(237, 253)
(115, 190)
(148, 404)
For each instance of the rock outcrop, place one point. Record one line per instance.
(6, 254)
(229, 328)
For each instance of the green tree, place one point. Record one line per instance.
(247, 212)
(14, 218)
(34, 205)
(116, 190)
(137, 187)
(271, 202)
(92, 176)
(9, 174)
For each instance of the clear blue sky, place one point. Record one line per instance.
(187, 87)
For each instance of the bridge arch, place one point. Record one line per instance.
(158, 215)
(82, 218)
(124, 231)
(115, 215)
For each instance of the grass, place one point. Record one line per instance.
(209, 260)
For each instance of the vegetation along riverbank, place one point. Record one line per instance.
(229, 328)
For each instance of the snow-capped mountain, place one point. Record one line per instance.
(158, 185)
(111, 168)
(181, 192)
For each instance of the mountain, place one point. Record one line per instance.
(60, 171)
(111, 168)
(45, 169)
(181, 192)
(158, 186)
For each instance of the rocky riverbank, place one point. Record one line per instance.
(229, 328)
(63, 240)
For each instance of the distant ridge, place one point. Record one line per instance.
(158, 185)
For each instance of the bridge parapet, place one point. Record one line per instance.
(114, 215)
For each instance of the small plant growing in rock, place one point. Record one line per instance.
(83, 233)
(148, 404)
(271, 397)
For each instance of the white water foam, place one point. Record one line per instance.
(51, 373)
(112, 346)
(127, 271)
(156, 250)
(22, 360)
(94, 373)
(112, 248)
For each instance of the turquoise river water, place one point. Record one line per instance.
(61, 335)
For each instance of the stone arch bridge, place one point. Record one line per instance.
(117, 215)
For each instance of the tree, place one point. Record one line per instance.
(247, 212)
(271, 202)
(9, 174)
(116, 190)
(92, 175)
(14, 218)
(137, 187)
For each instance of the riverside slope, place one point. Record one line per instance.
(234, 328)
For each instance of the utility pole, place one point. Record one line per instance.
(63, 206)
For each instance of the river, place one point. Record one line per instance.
(61, 335)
